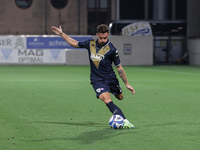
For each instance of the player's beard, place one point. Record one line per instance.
(102, 43)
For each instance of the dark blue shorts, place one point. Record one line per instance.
(111, 86)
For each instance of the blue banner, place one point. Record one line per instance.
(51, 42)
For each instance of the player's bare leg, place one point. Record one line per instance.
(120, 96)
(105, 97)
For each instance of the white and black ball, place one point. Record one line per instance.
(116, 122)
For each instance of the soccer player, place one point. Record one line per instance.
(103, 78)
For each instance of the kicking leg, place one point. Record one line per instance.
(105, 97)
(127, 124)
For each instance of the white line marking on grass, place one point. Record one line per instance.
(89, 80)
(165, 80)
(44, 80)
(170, 71)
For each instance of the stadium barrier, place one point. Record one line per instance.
(53, 50)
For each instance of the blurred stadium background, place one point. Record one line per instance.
(45, 106)
(175, 26)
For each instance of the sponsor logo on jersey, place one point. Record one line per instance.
(97, 57)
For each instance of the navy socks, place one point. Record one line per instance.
(115, 110)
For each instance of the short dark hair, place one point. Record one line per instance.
(102, 28)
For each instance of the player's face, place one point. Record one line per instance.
(102, 38)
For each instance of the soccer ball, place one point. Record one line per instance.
(116, 122)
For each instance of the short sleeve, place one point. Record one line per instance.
(84, 44)
(115, 58)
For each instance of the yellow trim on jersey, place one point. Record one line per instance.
(97, 57)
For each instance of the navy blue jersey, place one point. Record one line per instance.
(101, 58)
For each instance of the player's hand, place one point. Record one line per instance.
(56, 30)
(130, 88)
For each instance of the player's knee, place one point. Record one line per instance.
(119, 97)
(105, 97)
(106, 100)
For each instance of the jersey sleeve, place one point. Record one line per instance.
(115, 58)
(84, 44)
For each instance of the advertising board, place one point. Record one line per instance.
(52, 42)
(35, 49)
(32, 56)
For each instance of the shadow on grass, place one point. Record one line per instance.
(90, 136)
(88, 124)
(93, 136)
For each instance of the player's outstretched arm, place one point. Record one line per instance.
(68, 39)
(122, 74)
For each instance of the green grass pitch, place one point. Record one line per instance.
(55, 108)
